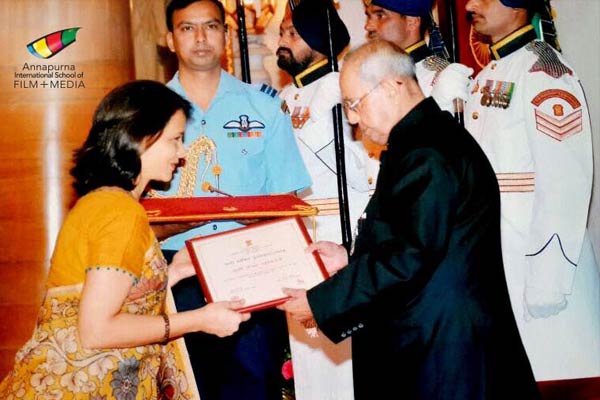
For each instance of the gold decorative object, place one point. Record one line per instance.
(202, 151)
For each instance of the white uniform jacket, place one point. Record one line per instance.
(528, 113)
(309, 102)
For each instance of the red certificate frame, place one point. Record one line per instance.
(253, 263)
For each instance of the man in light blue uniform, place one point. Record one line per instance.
(239, 142)
(263, 159)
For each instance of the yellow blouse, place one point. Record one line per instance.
(107, 229)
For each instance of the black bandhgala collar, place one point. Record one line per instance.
(312, 73)
(418, 51)
(512, 42)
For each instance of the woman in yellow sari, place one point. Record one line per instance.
(105, 329)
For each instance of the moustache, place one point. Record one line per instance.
(203, 48)
(283, 50)
(372, 35)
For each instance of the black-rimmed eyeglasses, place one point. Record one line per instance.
(353, 105)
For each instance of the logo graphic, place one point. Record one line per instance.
(244, 124)
(49, 45)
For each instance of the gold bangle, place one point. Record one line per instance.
(167, 328)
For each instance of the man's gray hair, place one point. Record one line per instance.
(380, 59)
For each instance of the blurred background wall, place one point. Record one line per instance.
(42, 122)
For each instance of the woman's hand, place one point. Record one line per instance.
(164, 231)
(181, 267)
(220, 318)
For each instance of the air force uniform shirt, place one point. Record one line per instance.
(242, 145)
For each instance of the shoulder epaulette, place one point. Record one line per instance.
(547, 61)
(269, 90)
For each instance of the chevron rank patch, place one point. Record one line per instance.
(558, 114)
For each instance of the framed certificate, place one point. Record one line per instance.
(253, 263)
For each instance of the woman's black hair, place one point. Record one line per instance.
(130, 118)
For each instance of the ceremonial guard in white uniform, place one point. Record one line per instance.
(309, 101)
(404, 23)
(528, 113)
(322, 370)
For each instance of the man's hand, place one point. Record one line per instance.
(541, 303)
(333, 255)
(297, 306)
(164, 231)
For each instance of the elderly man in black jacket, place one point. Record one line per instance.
(423, 294)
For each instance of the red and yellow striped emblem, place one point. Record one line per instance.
(516, 182)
